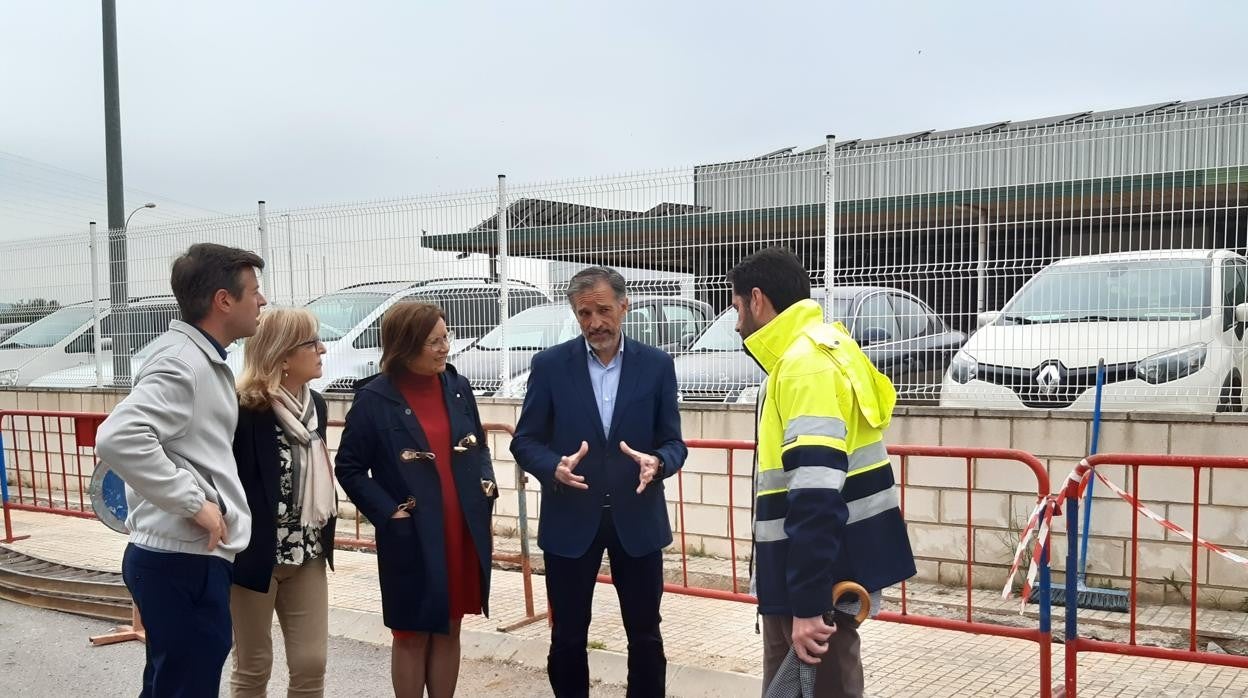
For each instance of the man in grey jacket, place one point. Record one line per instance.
(170, 440)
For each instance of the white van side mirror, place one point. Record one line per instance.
(984, 319)
(1241, 313)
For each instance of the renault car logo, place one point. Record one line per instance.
(1049, 379)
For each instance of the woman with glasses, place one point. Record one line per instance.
(413, 459)
(285, 469)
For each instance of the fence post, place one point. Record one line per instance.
(263, 226)
(504, 305)
(4, 491)
(829, 224)
(290, 262)
(1071, 491)
(1046, 623)
(97, 345)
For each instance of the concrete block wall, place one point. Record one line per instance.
(935, 497)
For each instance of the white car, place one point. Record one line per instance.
(350, 320)
(1169, 326)
(66, 339)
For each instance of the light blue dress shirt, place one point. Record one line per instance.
(606, 382)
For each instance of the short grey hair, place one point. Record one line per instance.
(586, 279)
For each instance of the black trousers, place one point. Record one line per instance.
(570, 590)
(185, 603)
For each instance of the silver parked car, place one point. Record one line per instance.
(901, 335)
(667, 322)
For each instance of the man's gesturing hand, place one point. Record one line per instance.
(649, 465)
(563, 471)
(810, 638)
(210, 519)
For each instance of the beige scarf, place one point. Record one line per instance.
(313, 478)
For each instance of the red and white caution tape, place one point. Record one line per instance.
(1040, 522)
(1077, 475)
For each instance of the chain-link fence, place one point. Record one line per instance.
(988, 267)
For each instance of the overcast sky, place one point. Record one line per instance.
(312, 102)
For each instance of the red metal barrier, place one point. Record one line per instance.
(1072, 491)
(49, 448)
(1041, 634)
(52, 448)
(39, 431)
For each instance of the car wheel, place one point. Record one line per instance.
(1231, 398)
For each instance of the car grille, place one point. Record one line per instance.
(342, 385)
(1071, 383)
(704, 395)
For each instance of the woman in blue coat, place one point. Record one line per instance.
(413, 459)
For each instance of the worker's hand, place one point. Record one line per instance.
(810, 638)
(564, 471)
(648, 464)
(210, 519)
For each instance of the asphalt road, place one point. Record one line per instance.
(46, 653)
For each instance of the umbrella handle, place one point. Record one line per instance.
(864, 598)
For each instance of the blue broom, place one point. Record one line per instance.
(1089, 597)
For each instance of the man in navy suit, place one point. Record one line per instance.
(600, 430)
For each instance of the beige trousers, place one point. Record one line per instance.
(300, 595)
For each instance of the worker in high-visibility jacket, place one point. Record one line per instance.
(826, 506)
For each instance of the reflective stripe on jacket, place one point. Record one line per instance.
(826, 506)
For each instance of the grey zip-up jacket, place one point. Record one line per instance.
(171, 441)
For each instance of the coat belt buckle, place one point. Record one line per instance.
(409, 455)
(408, 504)
(469, 441)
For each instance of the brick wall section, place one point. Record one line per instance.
(936, 496)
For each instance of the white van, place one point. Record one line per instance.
(1169, 326)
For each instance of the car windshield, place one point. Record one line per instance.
(722, 335)
(1153, 289)
(49, 330)
(338, 313)
(536, 328)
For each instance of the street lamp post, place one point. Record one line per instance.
(121, 312)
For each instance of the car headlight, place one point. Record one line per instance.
(516, 387)
(964, 368)
(747, 396)
(8, 377)
(1172, 365)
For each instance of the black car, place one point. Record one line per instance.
(901, 335)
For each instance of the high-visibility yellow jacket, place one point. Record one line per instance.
(826, 506)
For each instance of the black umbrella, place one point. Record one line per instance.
(795, 678)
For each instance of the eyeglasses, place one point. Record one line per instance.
(442, 341)
(317, 343)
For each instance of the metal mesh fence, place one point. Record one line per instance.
(988, 267)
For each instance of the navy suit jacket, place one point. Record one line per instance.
(560, 411)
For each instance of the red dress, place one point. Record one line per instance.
(463, 571)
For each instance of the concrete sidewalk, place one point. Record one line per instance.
(711, 645)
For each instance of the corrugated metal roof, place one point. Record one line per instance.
(892, 140)
(1043, 122)
(966, 130)
(1207, 103)
(1124, 113)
